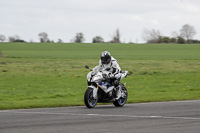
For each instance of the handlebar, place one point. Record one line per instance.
(87, 67)
(130, 73)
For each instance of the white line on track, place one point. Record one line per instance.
(103, 115)
(186, 101)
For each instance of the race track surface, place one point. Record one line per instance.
(161, 117)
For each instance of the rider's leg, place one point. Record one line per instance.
(118, 88)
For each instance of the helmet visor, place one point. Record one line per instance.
(104, 60)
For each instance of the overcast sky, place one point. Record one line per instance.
(64, 18)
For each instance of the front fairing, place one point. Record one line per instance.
(90, 75)
(106, 87)
(97, 78)
(123, 74)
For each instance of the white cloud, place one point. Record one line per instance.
(154, 21)
(64, 18)
(174, 17)
(191, 8)
(137, 18)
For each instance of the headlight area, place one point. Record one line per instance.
(96, 78)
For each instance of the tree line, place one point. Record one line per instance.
(184, 35)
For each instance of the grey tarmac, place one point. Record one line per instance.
(156, 117)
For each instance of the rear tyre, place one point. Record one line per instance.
(122, 100)
(90, 102)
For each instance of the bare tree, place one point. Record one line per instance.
(59, 41)
(145, 35)
(43, 37)
(11, 39)
(15, 38)
(79, 38)
(2, 38)
(151, 36)
(98, 39)
(175, 34)
(116, 37)
(187, 31)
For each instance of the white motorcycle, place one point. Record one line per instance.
(101, 90)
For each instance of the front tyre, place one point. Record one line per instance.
(122, 100)
(90, 102)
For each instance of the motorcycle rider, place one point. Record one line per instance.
(108, 63)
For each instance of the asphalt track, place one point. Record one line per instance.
(161, 117)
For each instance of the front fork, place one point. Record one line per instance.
(95, 89)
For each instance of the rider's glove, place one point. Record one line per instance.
(110, 75)
(104, 76)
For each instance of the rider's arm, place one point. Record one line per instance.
(116, 69)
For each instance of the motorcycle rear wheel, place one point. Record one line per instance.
(90, 102)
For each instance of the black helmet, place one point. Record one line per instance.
(105, 57)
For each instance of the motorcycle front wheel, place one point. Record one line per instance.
(90, 102)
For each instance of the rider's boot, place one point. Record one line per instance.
(119, 93)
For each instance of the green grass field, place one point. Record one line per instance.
(51, 75)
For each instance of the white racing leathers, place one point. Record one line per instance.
(114, 69)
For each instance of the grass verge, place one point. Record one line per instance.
(48, 80)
